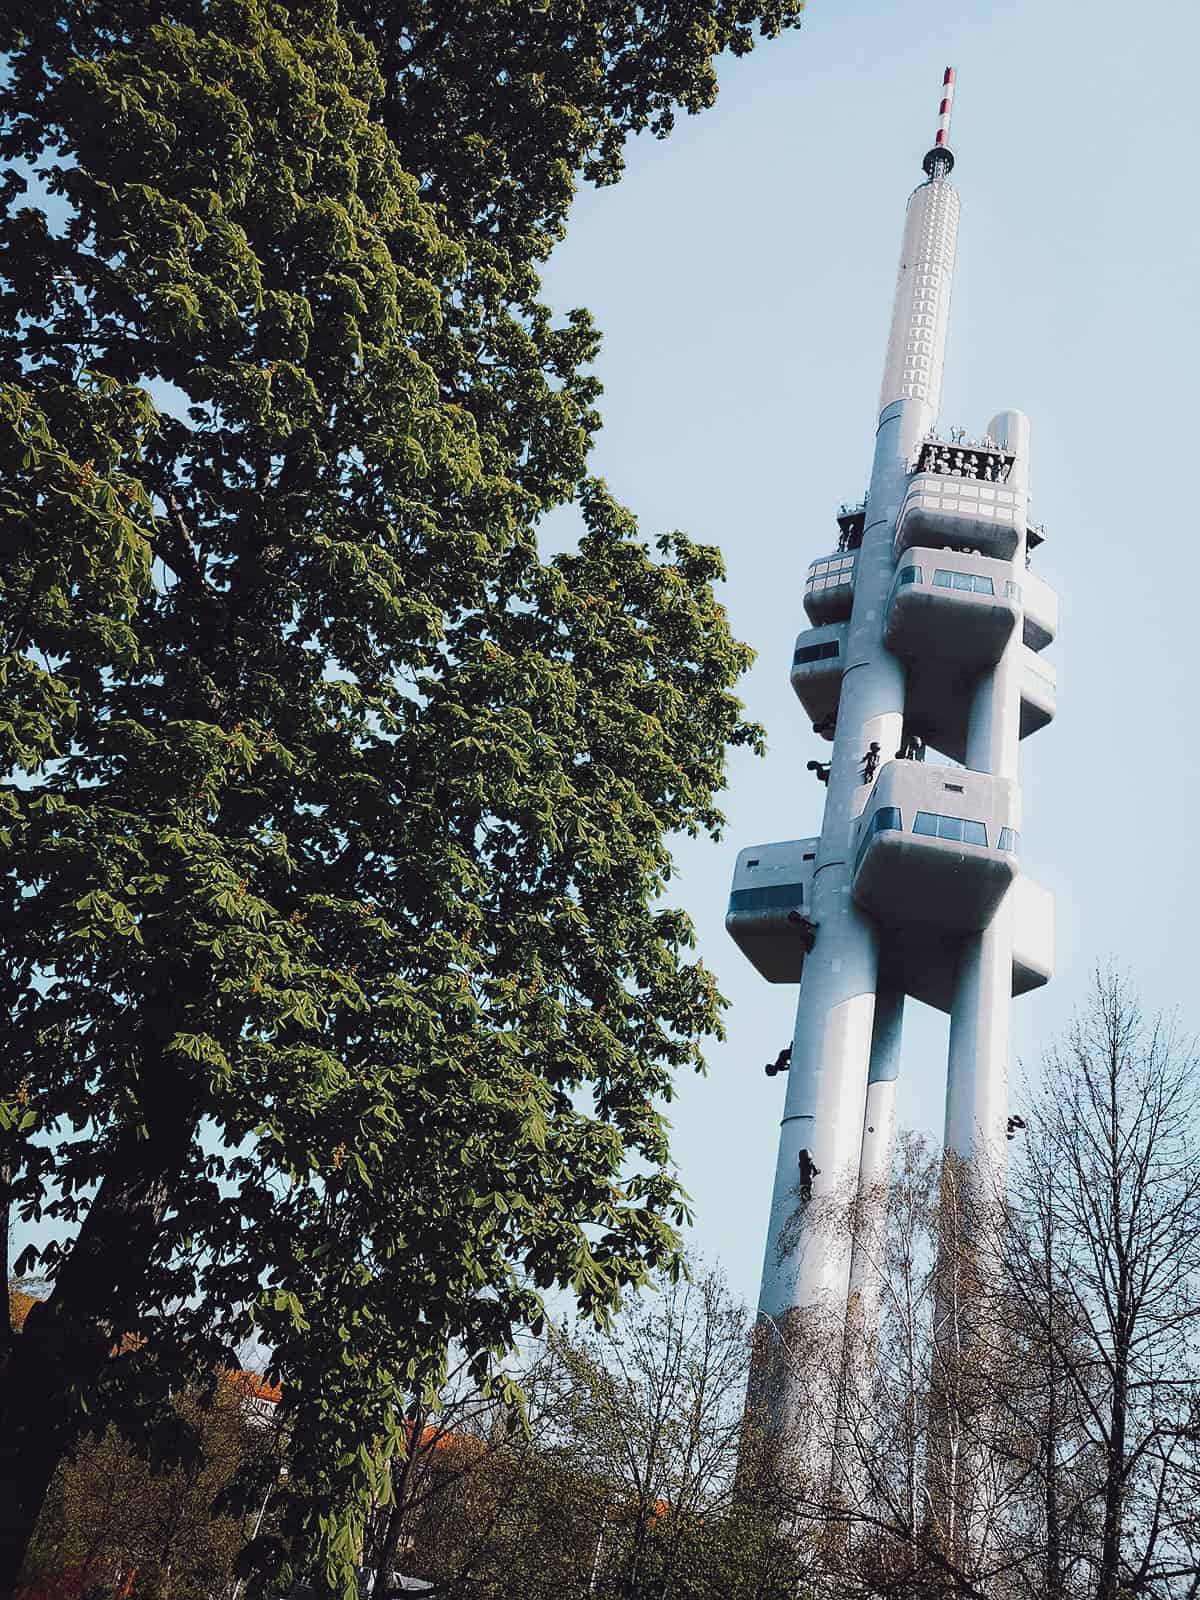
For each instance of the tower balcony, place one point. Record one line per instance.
(770, 904)
(829, 588)
(946, 606)
(960, 514)
(818, 662)
(935, 847)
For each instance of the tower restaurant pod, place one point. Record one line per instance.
(922, 662)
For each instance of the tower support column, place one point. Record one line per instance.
(869, 1243)
(977, 1079)
(878, 1138)
(976, 1120)
(806, 1272)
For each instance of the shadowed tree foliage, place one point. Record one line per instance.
(338, 998)
(111, 1525)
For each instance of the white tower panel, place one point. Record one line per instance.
(916, 351)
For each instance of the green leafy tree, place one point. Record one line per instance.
(339, 998)
(110, 1521)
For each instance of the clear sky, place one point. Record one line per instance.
(743, 272)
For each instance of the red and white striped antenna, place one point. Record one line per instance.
(940, 160)
(947, 107)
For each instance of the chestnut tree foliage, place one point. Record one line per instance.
(340, 1002)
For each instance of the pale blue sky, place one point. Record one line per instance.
(743, 272)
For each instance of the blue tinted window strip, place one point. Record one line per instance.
(771, 897)
(967, 582)
(887, 819)
(959, 830)
(816, 652)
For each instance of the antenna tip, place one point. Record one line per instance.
(939, 161)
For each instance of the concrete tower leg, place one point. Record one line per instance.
(867, 1266)
(806, 1273)
(976, 1119)
(807, 1258)
(977, 1080)
(878, 1137)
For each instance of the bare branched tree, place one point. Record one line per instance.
(1103, 1263)
(619, 1482)
(1019, 1415)
(660, 1419)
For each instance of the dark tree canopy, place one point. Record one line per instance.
(497, 107)
(340, 1001)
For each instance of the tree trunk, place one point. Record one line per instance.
(1121, 1206)
(399, 1512)
(53, 1367)
(1109, 1585)
(1053, 1566)
(7, 1332)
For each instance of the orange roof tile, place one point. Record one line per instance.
(19, 1305)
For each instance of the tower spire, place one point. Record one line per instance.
(939, 162)
(921, 310)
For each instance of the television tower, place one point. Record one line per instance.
(927, 628)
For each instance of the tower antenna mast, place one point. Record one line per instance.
(939, 162)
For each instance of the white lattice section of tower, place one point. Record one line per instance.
(921, 312)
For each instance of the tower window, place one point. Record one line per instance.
(815, 652)
(885, 819)
(968, 582)
(959, 830)
(771, 897)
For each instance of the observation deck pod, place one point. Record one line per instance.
(960, 514)
(829, 588)
(939, 700)
(923, 963)
(770, 904)
(936, 847)
(945, 606)
(818, 662)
